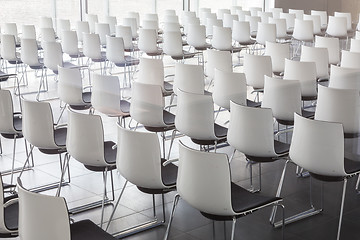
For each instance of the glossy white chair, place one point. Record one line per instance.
(173, 47)
(299, 13)
(62, 25)
(355, 45)
(81, 28)
(321, 58)
(222, 40)
(323, 18)
(333, 46)
(112, 21)
(278, 53)
(125, 33)
(92, 50)
(290, 21)
(350, 59)
(241, 33)
(103, 29)
(92, 20)
(344, 78)
(148, 42)
(255, 67)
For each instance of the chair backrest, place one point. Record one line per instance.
(228, 20)
(189, 20)
(303, 30)
(251, 130)
(337, 27)
(198, 189)
(189, 78)
(82, 27)
(229, 86)
(266, 33)
(283, 97)
(151, 71)
(147, 104)
(196, 36)
(278, 53)
(70, 86)
(115, 51)
(210, 23)
(318, 55)
(323, 17)
(62, 25)
(241, 31)
(253, 20)
(195, 115)
(290, 20)
(53, 56)
(305, 72)
(8, 47)
(148, 40)
(344, 78)
(218, 59)
(7, 119)
(350, 59)
(170, 19)
(28, 32)
(205, 15)
(47, 35)
(105, 94)
(46, 22)
(320, 141)
(29, 52)
(151, 16)
(221, 12)
(222, 39)
(346, 15)
(255, 67)
(85, 138)
(135, 15)
(103, 29)
(265, 16)
(242, 13)
(42, 216)
(38, 124)
(316, 22)
(69, 43)
(355, 45)
(254, 10)
(281, 31)
(171, 27)
(333, 46)
(186, 14)
(92, 19)
(133, 23)
(341, 106)
(276, 12)
(112, 21)
(125, 33)
(150, 24)
(11, 28)
(91, 45)
(172, 44)
(139, 158)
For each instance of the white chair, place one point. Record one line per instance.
(196, 37)
(344, 78)
(255, 67)
(346, 15)
(221, 12)
(92, 20)
(290, 21)
(135, 15)
(305, 73)
(242, 14)
(323, 18)
(173, 46)
(312, 138)
(332, 45)
(198, 189)
(281, 31)
(303, 30)
(36, 214)
(276, 12)
(222, 40)
(217, 59)
(103, 29)
(234, 9)
(195, 119)
(299, 13)
(337, 27)
(241, 33)
(148, 42)
(125, 33)
(8, 51)
(321, 58)
(189, 78)
(170, 19)
(228, 20)
(47, 35)
(350, 59)
(11, 29)
(150, 24)
(210, 23)
(134, 24)
(355, 45)
(171, 27)
(81, 28)
(341, 106)
(253, 21)
(266, 33)
(92, 50)
(70, 45)
(62, 25)
(254, 10)
(265, 16)
(316, 23)
(46, 22)
(278, 53)
(28, 32)
(112, 21)
(86, 144)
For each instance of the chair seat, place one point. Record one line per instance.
(129, 61)
(250, 42)
(5, 76)
(169, 118)
(168, 86)
(250, 103)
(60, 141)
(86, 96)
(307, 114)
(11, 216)
(185, 55)
(17, 126)
(87, 230)
(244, 201)
(109, 156)
(220, 133)
(236, 49)
(308, 98)
(157, 53)
(281, 149)
(203, 48)
(125, 106)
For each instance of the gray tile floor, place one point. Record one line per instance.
(189, 224)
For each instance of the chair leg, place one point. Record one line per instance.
(357, 185)
(104, 196)
(171, 142)
(13, 161)
(63, 170)
(233, 228)
(232, 156)
(116, 205)
(342, 208)
(176, 200)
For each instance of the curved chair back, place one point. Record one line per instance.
(47, 35)
(189, 78)
(70, 86)
(337, 27)
(251, 130)
(148, 40)
(253, 21)
(28, 32)
(316, 22)
(276, 12)
(229, 86)
(133, 23)
(265, 16)
(350, 59)
(344, 78)
(278, 53)
(69, 43)
(323, 17)
(196, 36)
(228, 20)
(281, 31)
(222, 39)
(85, 139)
(53, 56)
(218, 59)
(147, 104)
(105, 95)
(283, 97)
(81, 28)
(91, 45)
(62, 25)
(341, 106)
(299, 13)
(135, 15)
(242, 14)
(115, 51)
(333, 46)
(318, 55)
(112, 21)
(194, 187)
(241, 32)
(221, 12)
(305, 72)
(170, 19)
(36, 216)
(150, 24)
(8, 47)
(255, 67)
(151, 71)
(266, 33)
(7, 120)
(171, 27)
(38, 124)
(172, 44)
(290, 20)
(210, 23)
(346, 15)
(29, 52)
(195, 115)
(11, 29)
(323, 141)
(103, 29)
(92, 19)
(46, 22)
(303, 30)
(125, 33)
(138, 158)
(255, 10)
(355, 45)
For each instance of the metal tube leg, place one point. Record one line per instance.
(27, 160)
(342, 208)
(163, 207)
(176, 200)
(63, 170)
(233, 228)
(104, 196)
(171, 142)
(357, 184)
(13, 161)
(232, 156)
(116, 205)
(163, 143)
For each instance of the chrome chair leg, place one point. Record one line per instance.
(233, 228)
(104, 196)
(176, 200)
(357, 185)
(116, 205)
(342, 208)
